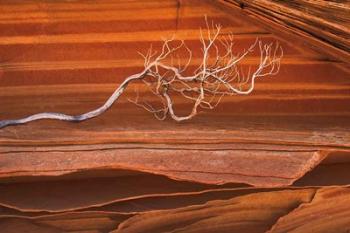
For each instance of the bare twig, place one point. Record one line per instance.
(216, 76)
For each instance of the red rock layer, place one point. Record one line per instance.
(273, 161)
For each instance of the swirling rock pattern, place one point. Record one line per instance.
(273, 161)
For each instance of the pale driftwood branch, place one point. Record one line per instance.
(218, 75)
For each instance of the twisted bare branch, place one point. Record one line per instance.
(217, 75)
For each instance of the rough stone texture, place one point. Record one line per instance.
(274, 161)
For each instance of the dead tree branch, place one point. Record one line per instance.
(217, 75)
